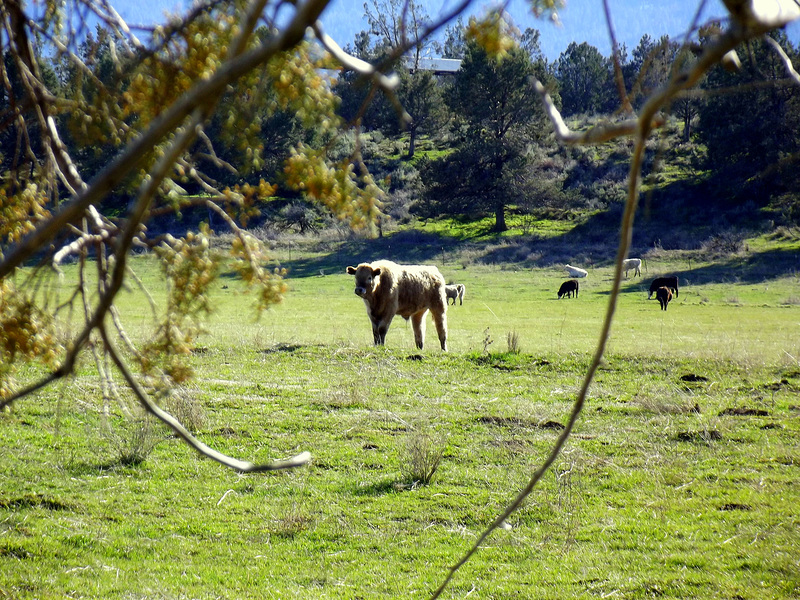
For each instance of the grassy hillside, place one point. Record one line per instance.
(680, 481)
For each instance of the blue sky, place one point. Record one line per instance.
(582, 20)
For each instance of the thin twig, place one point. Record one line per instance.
(171, 118)
(644, 126)
(166, 418)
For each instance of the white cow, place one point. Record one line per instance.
(632, 263)
(575, 271)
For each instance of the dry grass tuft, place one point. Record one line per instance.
(424, 453)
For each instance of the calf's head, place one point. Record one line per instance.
(366, 278)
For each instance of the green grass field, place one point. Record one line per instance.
(679, 482)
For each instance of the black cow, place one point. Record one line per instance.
(667, 282)
(568, 288)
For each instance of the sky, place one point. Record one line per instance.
(581, 20)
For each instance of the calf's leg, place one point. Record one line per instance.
(379, 329)
(440, 321)
(418, 324)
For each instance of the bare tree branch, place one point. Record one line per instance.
(133, 155)
(787, 62)
(387, 82)
(594, 135)
(618, 79)
(240, 465)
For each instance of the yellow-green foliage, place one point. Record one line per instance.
(20, 212)
(27, 333)
(492, 34)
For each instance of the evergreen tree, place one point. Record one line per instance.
(496, 123)
(585, 80)
(751, 124)
(421, 96)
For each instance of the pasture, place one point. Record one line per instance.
(679, 482)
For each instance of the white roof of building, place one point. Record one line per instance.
(438, 65)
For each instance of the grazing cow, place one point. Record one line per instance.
(453, 291)
(389, 289)
(575, 271)
(632, 263)
(669, 282)
(664, 295)
(568, 288)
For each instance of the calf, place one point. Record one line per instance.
(668, 282)
(632, 263)
(389, 289)
(664, 295)
(568, 288)
(576, 271)
(453, 291)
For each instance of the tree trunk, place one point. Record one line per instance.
(500, 218)
(412, 141)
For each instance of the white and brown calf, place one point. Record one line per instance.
(389, 289)
(455, 291)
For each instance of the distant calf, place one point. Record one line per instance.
(668, 282)
(453, 291)
(389, 289)
(575, 271)
(632, 263)
(568, 288)
(664, 295)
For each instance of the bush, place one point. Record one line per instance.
(134, 439)
(424, 453)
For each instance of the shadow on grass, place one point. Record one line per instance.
(409, 247)
(754, 267)
(679, 217)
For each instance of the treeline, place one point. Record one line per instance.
(731, 146)
(488, 147)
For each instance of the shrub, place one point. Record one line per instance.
(134, 439)
(512, 339)
(183, 406)
(424, 453)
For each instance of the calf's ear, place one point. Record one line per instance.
(376, 271)
(351, 270)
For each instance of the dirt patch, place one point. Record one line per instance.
(744, 412)
(229, 432)
(280, 348)
(699, 436)
(693, 378)
(777, 385)
(520, 423)
(513, 446)
(735, 506)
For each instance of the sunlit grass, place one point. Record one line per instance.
(679, 482)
